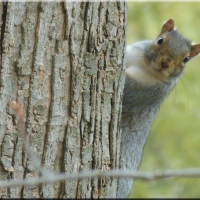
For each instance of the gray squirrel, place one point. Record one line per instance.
(153, 67)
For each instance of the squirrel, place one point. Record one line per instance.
(153, 67)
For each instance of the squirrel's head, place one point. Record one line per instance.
(169, 52)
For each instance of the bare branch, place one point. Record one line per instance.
(18, 108)
(146, 176)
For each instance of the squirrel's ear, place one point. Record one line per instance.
(195, 50)
(167, 27)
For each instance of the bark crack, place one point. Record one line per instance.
(64, 19)
(3, 18)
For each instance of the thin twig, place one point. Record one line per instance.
(146, 176)
(18, 108)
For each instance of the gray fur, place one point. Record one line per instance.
(137, 117)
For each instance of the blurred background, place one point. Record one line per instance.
(174, 140)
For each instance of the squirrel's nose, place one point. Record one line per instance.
(164, 65)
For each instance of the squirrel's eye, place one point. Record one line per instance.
(160, 40)
(186, 59)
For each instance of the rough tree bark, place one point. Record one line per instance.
(64, 62)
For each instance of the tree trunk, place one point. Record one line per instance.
(64, 62)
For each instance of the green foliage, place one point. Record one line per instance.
(173, 142)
